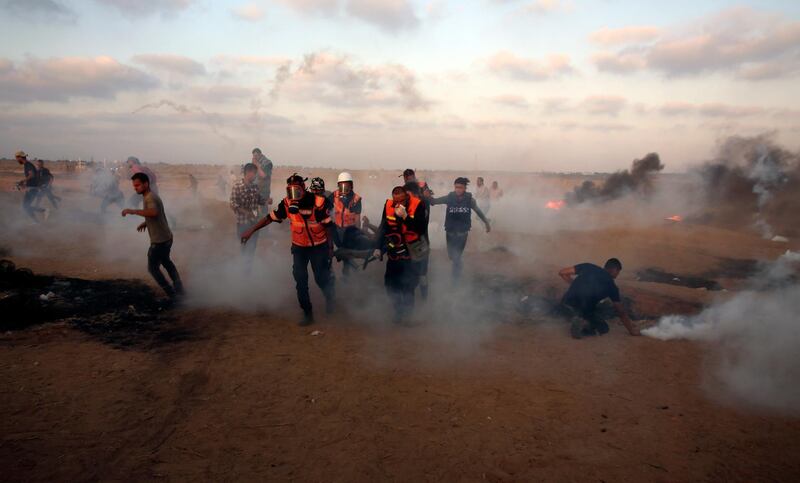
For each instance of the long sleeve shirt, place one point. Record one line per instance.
(245, 200)
(459, 211)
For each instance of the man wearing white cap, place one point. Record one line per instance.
(347, 214)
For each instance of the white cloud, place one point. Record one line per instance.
(537, 7)
(555, 105)
(223, 93)
(500, 125)
(249, 12)
(142, 8)
(234, 61)
(390, 15)
(336, 80)
(323, 7)
(751, 44)
(625, 35)
(62, 78)
(510, 100)
(510, 65)
(173, 64)
(620, 62)
(604, 105)
(713, 109)
(543, 7)
(39, 10)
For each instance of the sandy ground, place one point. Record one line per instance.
(493, 395)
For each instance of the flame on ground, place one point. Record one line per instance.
(555, 204)
(675, 218)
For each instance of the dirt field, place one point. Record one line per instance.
(482, 386)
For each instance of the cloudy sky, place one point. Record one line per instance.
(578, 85)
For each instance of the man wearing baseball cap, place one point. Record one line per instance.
(30, 183)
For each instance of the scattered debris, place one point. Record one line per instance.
(780, 239)
(317, 333)
(514, 297)
(734, 268)
(123, 313)
(659, 276)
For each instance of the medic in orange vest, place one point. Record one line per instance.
(421, 190)
(400, 237)
(346, 203)
(347, 217)
(311, 226)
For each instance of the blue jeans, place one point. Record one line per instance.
(248, 249)
(31, 194)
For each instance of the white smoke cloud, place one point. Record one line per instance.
(757, 334)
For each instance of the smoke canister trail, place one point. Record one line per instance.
(756, 334)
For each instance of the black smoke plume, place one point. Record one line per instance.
(637, 179)
(752, 179)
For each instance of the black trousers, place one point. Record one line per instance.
(320, 260)
(593, 317)
(354, 239)
(422, 272)
(400, 280)
(158, 256)
(456, 242)
(31, 194)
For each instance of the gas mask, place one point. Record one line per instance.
(294, 193)
(345, 187)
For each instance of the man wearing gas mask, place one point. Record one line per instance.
(317, 186)
(312, 228)
(347, 217)
(400, 237)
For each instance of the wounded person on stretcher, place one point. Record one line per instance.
(356, 243)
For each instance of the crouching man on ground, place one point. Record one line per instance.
(588, 286)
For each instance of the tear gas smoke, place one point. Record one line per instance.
(282, 75)
(747, 176)
(210, 119)
(621, 183)
(758, 336)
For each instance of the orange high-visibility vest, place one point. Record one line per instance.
(397, 226)
(343, 217)
(306, 230)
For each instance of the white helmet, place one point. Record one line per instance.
(344, 177)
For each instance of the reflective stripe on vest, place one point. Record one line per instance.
(342, 214)
(306, 230)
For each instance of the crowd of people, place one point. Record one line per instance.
(327, 225)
